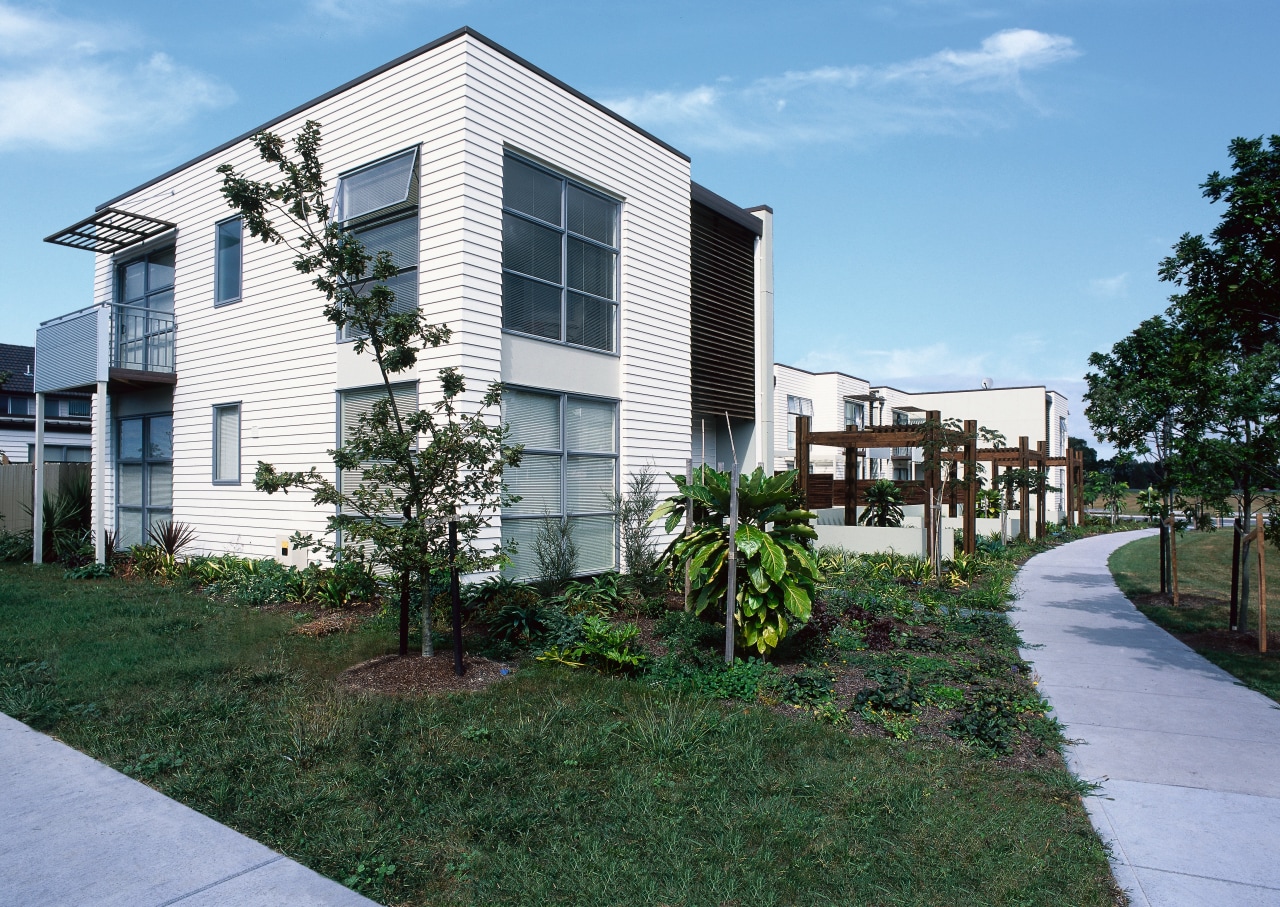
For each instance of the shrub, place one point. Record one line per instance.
(989, 721)
(556, 553)
(605, 646)
(632, 511)
(16, 547)
(172, 537)
(777, 572)
(884, 505)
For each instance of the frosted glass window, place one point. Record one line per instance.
(160, 485)
(130, 485)
(226, 443)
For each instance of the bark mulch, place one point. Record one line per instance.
(415, 675)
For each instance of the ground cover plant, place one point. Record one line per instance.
(1202, 619)
(610, 783)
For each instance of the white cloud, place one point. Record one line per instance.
(1110, 287)
(69, 84)
(948, 91)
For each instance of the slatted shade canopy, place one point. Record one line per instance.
(110, 230)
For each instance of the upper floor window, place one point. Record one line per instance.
(796, 406)
(901, 418)
(147, 282)
(559, 258)
(855, 414)
(227, 264)
(379, 205)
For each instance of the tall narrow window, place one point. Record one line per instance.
(144, 312)
(227, 266)
(796, 406)
(144, 477)
(559, 258)
(226, 444)
(378, 204)
(569, 471)
(855, 414)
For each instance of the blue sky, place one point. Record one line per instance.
(963, 189)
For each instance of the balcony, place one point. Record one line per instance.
(123, 344)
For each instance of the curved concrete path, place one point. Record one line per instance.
(1188, 759)
(75, 832)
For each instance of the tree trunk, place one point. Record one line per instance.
(406, 588)
(428, 645)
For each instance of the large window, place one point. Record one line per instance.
(559, 258)
(796, 406)
(227, 264)
(62, 453)
(144, 318)
(226, 444)
(379, 205)
(144, 477)
(569, 471)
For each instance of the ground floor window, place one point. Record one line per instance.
(569, 471)
(144, 477)
(61, 453)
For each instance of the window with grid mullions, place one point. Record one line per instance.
(559, 258)
(568, 471)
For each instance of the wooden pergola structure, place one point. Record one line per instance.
(854, 440)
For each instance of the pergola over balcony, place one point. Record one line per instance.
(109, 230)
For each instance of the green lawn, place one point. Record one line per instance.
(553, 786)
(1204, 576)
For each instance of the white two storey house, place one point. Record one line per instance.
(626, 309)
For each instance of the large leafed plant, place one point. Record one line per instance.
(777, 570)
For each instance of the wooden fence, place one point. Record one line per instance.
(17, 489)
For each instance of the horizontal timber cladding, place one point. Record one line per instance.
(722, 315)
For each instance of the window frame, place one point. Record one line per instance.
(564, 453)
(387, 214)
(860, 409)
(565, 234)
(800, 404)
(145, 461)
(217, 262)
(215, 409)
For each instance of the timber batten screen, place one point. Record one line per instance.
(722, 315)
(110, 230)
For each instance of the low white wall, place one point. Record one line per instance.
(907, 540)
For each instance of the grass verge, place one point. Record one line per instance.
(1202, 619)
(553, 786)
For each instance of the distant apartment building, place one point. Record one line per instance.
(836, 400)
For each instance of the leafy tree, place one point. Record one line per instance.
(419, 466)
(777, 571)
(1090, 455)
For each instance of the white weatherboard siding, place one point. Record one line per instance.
(511, 108)
(827, 390)
(273, 352)
(14, 441)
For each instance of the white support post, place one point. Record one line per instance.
(37, 500)
(100, 474)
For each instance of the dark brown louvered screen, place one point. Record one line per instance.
(722, 328)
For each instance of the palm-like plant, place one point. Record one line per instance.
(884, 505)
(776, 566)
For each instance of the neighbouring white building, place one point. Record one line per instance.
(836, 400)
(627, 310)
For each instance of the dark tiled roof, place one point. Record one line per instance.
(18, 361)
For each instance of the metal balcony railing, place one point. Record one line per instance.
(901, 452)
(144, 339)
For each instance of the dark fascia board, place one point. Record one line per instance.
(373, 73)
(796, 368)
(968, 390)
(722, 206)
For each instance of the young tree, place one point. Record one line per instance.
(418, 467)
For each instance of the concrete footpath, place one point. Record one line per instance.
(75, 832)
(1187, 758)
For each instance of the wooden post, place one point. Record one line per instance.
(1164, 549)
(932, 418)
(802, 455)
(851, 486)
(1070, 473)
(1262, 588)
(970, 526)
(1235, 573)
(731, 594)
(1041, 509)
(1024, 504)
(455, 598)
(1173, 556)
